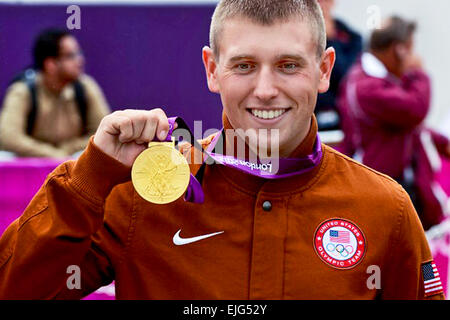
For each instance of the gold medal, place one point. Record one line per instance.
(160, 174)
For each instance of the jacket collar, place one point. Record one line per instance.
(67, 93)
(372, 66)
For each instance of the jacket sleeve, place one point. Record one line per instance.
(13, 121)
(403, 277)
(63, 226)
(399, 106)
(441, 142)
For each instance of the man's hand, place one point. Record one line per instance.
(123, 135)
(413, 62)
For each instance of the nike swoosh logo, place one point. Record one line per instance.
(177, 240)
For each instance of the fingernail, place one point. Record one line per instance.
(163, 134)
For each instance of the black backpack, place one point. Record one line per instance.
(29, 77)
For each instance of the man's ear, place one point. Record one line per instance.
(209, 61)
(326, 66)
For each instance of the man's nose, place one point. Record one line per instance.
(266, 87)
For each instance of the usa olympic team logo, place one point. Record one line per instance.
(340, 243)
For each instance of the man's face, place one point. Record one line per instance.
(268, 77)
(70, 61)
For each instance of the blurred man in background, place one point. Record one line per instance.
(52, 112)
(348, 46)
(383, 104)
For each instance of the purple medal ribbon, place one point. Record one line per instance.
(285, 167)
(281, 168)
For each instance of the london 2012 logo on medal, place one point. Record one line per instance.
(340, 243)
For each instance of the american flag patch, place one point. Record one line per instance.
(431, 280)
(340, 236)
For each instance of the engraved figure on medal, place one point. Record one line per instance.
(160, 174)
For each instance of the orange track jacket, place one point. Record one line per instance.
(341, 231)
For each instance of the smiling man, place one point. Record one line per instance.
(322, 227)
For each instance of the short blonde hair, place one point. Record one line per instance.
(267, 12)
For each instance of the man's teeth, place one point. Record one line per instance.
(268, 114)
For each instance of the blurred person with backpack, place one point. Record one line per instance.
(53, 109)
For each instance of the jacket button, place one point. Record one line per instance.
(267, 206)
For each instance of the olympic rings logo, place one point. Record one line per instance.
(344, 251)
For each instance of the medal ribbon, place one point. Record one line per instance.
(287, 167)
